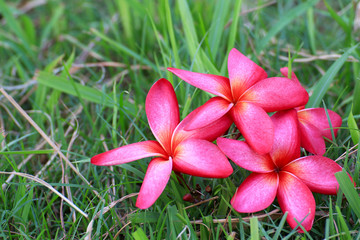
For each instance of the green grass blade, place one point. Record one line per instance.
(191, 38)
(232, 33)
(338, 19)
(254, 228)
(14, 25)
(327, 229)
(342, 225)
(64, 85)
(201, 62)
(139, 234)
(280, 226)
(26, 152)
(122, 48)
(356, 94)
(170, 28)
(322, 86)
(141, 217)
(347, 187)
(234, 26)
(27, 205)
(29, 29)
(353, 128)
(52, 24)
(126, 21)
(356, 172)
(284, 20)
(216, 30)
(311, 29)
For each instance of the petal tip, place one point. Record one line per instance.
(141, 205)
(98, 160)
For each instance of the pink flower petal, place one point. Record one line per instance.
(129, 153)
(214, 84)
(241, 154)
(256, 193)
(296, 198)
(317, 172)
(209, 133)
(156, 178)
(311, 138)
(201, 158)
(284, 71)
(318, 118)
(255, 125)
(286, 145)
(243, 73)
(211, 111)
(275, 94)
(162, 111)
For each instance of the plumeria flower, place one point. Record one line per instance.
(314, 124)
(247, 94)
(188, 152)
(281, 173)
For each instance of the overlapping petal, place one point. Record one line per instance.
(214, 84)
(241, 154)
(209, 133)
(311, 139)
(255, 125)
(162, 111)
(318, 118)
(243, 73)
(275, 94)
(296, 198)
(129, 153)
(286, 145)
(201, 158)
(256, 193)
(156, 178)
(317, 172)
(211, 111)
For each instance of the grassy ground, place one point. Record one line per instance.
(75, 75)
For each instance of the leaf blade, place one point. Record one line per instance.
(321, 87)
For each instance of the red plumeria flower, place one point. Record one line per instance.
(247, 94)
(314, 124)
(189, 152)
(281, 173)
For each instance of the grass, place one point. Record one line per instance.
(75, 75)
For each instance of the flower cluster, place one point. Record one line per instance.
(271, 150)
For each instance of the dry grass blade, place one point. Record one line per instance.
(118, 233)
(21, 86)
(69, 129)
(49, 187)
(199, 203)
(311, 58)
(103, 211)
(47, 139)
(348, 153)
(236, 220)
(31, 5)
(38, 147)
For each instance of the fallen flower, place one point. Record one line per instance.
(247, 94)
(281, 173)
(314, 124)
(188, 152)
